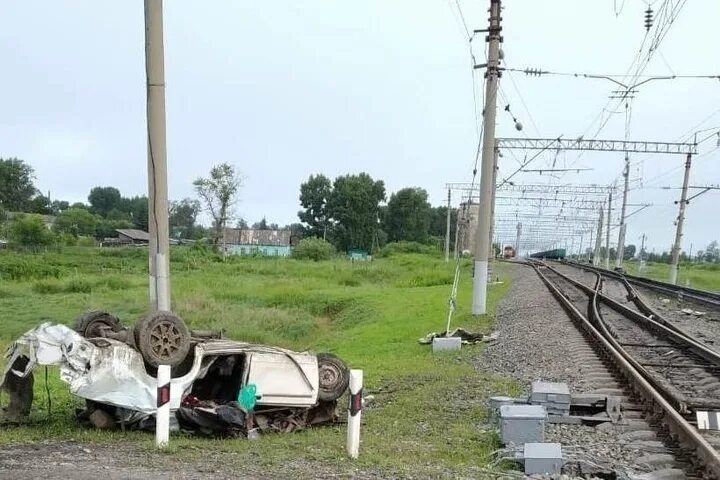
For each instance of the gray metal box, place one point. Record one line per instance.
(550, 392)
(522, 424)
(446, 343)
(542, 458)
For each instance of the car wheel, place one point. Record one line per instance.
(92, 323)
(162, 338)
(334, 377)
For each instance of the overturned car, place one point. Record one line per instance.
(218, 386)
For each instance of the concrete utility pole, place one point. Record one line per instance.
(598, 238)
(621, 234)
(517, 240)
(159, 244)
(447, 231)
(607, 233)
(642, 247)
(480, 278)
(674, 264)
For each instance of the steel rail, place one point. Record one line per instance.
(703, 296)
(678, 426)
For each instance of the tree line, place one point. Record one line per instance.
(350, 212)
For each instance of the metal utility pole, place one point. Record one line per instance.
(674, 264)
(598, 239)
(621, 234)
(517, 240)
(159, 244)
(447, 230)
(607, 233)
(487, 186)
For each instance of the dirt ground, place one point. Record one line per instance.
(77, 461)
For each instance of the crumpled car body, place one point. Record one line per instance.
(113, 374)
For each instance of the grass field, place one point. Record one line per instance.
(428, 410)
(705, 276)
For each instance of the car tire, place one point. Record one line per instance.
(333, 377)
(163, 339)
(91, 323)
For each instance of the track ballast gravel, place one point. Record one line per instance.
(539, 341)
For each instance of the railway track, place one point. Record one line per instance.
(669, 371)
(704, 297)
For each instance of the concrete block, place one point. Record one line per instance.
(446, 343)
(542, 458)
(522, 424)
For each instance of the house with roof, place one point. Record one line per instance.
(131, 236)
(274, 243)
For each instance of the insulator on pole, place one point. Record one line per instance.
(648, 18)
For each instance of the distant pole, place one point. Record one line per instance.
(517, 240)
(580, 250)
(598, 238)
(482, 236)
(159, 245)
(674, 264)
(447, 230)
(642, 247)
(621, 234)
(607, 234)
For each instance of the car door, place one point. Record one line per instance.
(283, 379)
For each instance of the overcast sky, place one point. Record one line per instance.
(284, 89)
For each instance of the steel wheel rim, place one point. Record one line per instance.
(165, 339)
(330, 375)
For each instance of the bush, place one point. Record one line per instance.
(313, 249)
(397, 248)
(30, 231)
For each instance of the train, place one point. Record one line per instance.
(555, 254)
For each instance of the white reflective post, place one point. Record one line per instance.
(162, 417)
(354, 413)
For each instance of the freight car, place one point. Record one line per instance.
(556, 254)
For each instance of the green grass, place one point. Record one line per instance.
(705, 276)
(428, 413)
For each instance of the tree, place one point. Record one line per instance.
(242, 224)
(107, 228)
(183, 215)
(712, 252)
(134, 209)
(408, 215)
(58, 206)
(314, 196)
(39, 204)
(629, 252)
(261, 225)
(76, 221)
(104, 199)
(31, 231)
(297, 232)
(438, 222)
(354, 207)
(16, 185)
(218, 192)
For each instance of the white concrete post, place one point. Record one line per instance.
(354, 413)
(162, 417)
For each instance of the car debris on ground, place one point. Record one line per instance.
(218, 386)
(466, 337)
